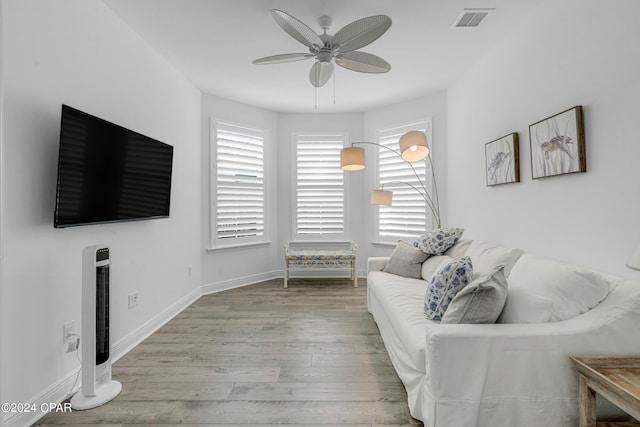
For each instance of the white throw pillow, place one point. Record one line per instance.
(573, 290)
(523, 306)
(433, 264)
(459, 249)
(487, 257)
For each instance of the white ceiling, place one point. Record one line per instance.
(213, 42)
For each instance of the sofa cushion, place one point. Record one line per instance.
(401, 301)
(444, 285)
(481, 301)
(573, 289)
(438, 241)
(433, 264)
(487, 257)
(405, 260)
(523, 306)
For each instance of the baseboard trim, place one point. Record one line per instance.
(54, 394)
(257, 278)
(61, 390)
(239, 282)
(127, 343)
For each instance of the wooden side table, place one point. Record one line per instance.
(616, 378)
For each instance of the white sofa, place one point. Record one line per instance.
(503, 374)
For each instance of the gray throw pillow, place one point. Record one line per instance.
(406, 261)
(481, 301)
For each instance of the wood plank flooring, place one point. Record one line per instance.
(260, 355)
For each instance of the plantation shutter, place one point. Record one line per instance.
(239, 171)
(409, 215)
(319, 185)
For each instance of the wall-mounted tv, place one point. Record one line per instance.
(107, 173)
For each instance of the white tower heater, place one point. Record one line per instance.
(97, 386)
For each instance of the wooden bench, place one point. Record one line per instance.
(323, 257)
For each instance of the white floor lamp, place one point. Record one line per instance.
(413, 147)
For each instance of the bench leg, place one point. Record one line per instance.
(354, 273)
(286, 273)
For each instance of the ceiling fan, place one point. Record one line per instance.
(341, 48)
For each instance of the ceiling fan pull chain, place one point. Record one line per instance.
(334, 88)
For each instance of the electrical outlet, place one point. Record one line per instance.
(73, 345)
(68, 331)
(133, 299)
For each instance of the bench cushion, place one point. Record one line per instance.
(305, 254)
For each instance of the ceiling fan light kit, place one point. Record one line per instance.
(340, 48)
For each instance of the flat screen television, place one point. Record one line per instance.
(107, 173)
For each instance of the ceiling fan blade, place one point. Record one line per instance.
(296, 29)
(363, 62)
(361, 32)
(320, 73)
(278, 59)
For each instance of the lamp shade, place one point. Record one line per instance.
(634, 261)
(413, 146)
(381, 197)
(352, 159)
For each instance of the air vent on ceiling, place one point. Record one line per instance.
(471, 18)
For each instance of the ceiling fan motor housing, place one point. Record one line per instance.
(324, 56)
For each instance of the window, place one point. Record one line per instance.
(319, 186)
(409, 216)
(238, 181)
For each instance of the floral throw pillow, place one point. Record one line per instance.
(436, 242)
(444, 286)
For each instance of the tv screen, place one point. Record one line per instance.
(107, 173)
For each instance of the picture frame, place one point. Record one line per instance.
(502, 160)
(558, 144)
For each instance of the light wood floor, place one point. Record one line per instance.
(260, 355)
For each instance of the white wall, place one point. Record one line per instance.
(230, 267)
(434, 106)
(79, 53)
(569, 53)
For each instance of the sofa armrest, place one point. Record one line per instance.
(475, 362)
(376, 263)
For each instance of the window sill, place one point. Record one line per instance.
(238, 246)
(384, 244)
